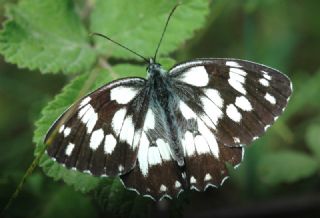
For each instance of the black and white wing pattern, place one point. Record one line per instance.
(98, 134)
(174, 131)
(223, 105)
(156, 174)
(237, 99)
(205, 155)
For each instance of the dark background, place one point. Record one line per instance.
(280, 173)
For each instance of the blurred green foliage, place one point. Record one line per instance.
(46, 51)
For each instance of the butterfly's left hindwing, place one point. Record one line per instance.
(97, 135)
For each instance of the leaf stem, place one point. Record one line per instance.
(22, 181)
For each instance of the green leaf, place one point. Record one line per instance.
(55, 108)
(46, 35)
(286, 166)
(64, 202)
(303, 94)
(80, 181)
(139, 24)
(114, 198)
(313, 139)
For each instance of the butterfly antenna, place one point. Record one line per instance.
(117, 43)
(164, 30)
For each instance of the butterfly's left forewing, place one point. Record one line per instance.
(99, 134)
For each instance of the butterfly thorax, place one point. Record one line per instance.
(162, 99)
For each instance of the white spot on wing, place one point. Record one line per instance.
(264, 82)
(92, 122)
(127, 131)
(85, 101)
(237, 86)
(243, 103)
(149, 122)
(143, 154)
(183, 174)
(120, 168)
(209, 137)
(66, 131)
(213, 112)
(196, 76)
(154, 156)
(214, 96)
(136, 138)
(186, 111)
(192, 179)
(109, 144)
(177, 184)
(122, 94)
(236, 81)
(207, 121)
(201, 145)
(266, 75)
(89, 117)
(233, 113)
(163, 188)
(233, 64)
(83, 111)
(270, 98)
(239, 72)
(69, 149)
(188, 144)
(96, 139)
(117, 120)
(207, 177)
(236, 139)
(61, 129)
(164, 149)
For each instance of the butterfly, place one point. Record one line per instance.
(174, 130)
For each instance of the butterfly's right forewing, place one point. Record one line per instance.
(237, 99)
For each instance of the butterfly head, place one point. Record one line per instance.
(154, 68)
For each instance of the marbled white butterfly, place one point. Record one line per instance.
(174, 130)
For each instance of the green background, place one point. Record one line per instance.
(48, 60)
